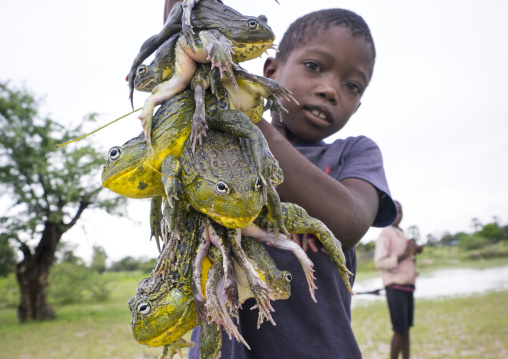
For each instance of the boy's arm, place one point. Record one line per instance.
(348, 207)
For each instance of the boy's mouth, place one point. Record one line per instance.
(319, 116)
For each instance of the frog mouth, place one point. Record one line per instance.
(228, 221)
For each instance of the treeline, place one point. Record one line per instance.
(481, 237)
(71, 279)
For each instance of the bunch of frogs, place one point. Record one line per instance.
(163, 309)
(223, 182)
(222, 32)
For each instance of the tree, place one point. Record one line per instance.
(49, 189)
(99, 257)
(492, 231)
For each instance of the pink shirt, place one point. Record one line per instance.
(392, 242)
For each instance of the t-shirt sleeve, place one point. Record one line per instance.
(362, 159)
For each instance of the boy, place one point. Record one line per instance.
(326, 59)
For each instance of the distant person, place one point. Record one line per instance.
(395, 259)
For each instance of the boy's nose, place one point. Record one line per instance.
(328, 93)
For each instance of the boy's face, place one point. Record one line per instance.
(327, 76)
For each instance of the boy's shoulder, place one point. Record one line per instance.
(355, 157)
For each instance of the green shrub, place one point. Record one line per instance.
(9, 291)
(75, 283)
(472, 242)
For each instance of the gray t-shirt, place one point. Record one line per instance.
(306, 329)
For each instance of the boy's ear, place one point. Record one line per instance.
(270, 67)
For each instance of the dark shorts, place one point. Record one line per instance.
(401, 305)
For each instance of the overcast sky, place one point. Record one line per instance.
(436, 105)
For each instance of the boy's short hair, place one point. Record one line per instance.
(303, 29)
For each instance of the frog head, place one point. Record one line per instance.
(277, 280)
(127, 172)
(161, 313)
(145, 79)
(250, 35)
(220, 180)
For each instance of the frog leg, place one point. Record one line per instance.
(200, 83)
(269, 89)
(230, 288)
(275, 219)
(298, 221)
(171, 27)
(258, 287)
(155, 220)
(211, 341)
(187, 29)
(216, 303)
(197, 263)
(167, 257)
(213, 306)
(284, 243)
(185, 67)
(171, 169)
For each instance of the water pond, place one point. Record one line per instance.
(443, 283)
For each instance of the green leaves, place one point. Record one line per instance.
(44, 183)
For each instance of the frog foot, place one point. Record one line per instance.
(175, 348)
(258, 287)
(199, 127)
(263, 298)
(274, 105)
(286, 244)
(220, 57)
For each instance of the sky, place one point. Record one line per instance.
(436, 104)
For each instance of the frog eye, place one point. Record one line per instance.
(259, 183)
(144, 308)
(142, 70)
(252, 24)
(114, 153)
(288, 277)
(221, 188)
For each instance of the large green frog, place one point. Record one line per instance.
(224, 31)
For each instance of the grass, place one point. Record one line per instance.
(470, 327)
(89, 330)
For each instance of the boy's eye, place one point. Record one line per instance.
(354, 88)
(312, 66)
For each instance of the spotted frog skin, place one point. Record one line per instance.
(163, 309)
